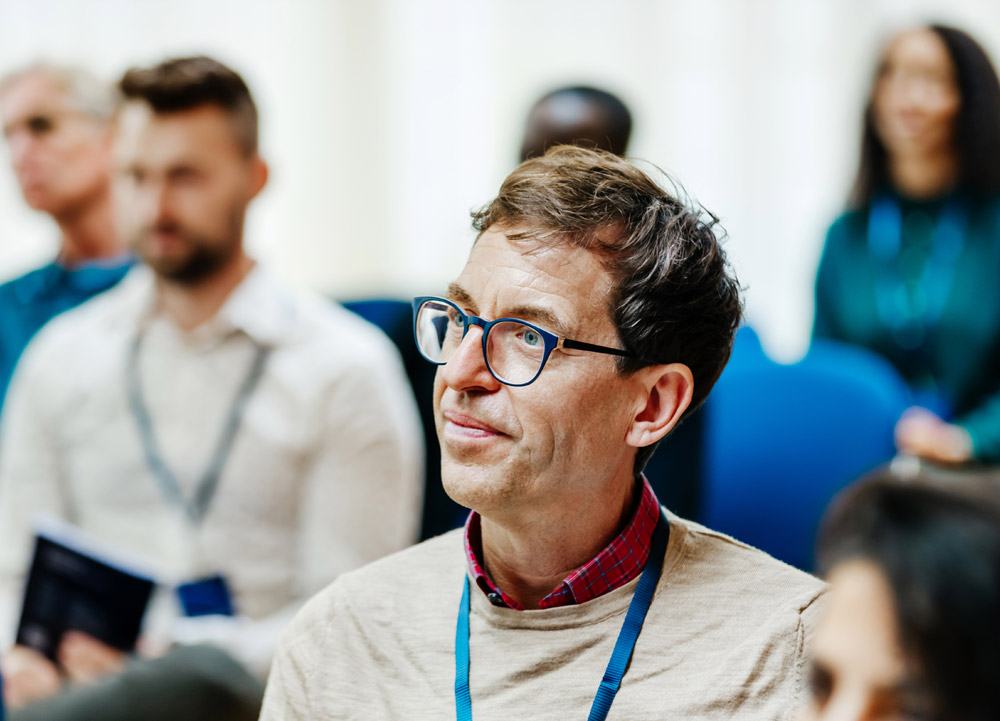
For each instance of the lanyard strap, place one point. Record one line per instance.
(463, 699)
(197, 507)
(624, 646)
(907, 319)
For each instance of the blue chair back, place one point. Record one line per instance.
(781, 440)
(675, 470)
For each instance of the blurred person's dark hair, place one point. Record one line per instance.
(578, 115)
(938, 546)
(186, 83)
(977, 125)
(83, 89)
(675, 298)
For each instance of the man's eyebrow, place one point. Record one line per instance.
(542, 316)
(460, 296)
(531, 313)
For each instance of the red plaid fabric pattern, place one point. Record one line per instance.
(621, 561)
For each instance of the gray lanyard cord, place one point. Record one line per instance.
(205, 489)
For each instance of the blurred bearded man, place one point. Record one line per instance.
(219, 424)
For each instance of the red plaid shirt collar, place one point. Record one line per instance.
(621, 561)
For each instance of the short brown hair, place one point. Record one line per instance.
(675, 298)
(186, 83)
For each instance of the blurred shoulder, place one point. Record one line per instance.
(11, 287)
(849, 227)
(96, 323)
(325, 327)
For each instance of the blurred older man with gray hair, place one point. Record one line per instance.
(56, 120)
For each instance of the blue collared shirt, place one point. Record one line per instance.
(30, 301)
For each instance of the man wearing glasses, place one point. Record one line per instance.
(594, 311)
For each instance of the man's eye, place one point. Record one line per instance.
(40, 124)
(531, 338)
(185, 176)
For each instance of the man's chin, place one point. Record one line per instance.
(182, 269)
(40, 200)
(477, 486)
(167, 267)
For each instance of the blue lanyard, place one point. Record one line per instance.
(907, 320)
(641, 600)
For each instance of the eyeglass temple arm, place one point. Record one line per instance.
(580, 345)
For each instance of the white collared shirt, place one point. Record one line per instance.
(325, 473)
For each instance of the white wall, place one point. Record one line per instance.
(385, 121)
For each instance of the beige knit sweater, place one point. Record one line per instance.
(723, 639)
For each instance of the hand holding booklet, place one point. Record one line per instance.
(78, 582)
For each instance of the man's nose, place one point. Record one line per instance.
(154, 205)
(466, 369)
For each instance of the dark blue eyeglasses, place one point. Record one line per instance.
(515, 350)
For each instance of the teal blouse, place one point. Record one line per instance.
(953, 362)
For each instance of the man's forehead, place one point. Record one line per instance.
(131, 122)
(31, 94)
(132, 117)
(536, 252)
(161, 136)
(512, 276)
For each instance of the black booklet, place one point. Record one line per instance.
(77, 582)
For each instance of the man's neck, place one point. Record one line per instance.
(88, 232)
(528, 562)
(924, 176)
(190, 305)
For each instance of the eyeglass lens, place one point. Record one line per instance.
(514, 351)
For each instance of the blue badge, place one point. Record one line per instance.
(206, 597)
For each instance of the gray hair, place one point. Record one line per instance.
(83, 89)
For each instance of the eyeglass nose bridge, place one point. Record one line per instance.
(485, 325)
(471, 320)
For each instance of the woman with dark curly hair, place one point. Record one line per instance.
(911, 627)
(911, 270)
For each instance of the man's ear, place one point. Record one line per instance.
(259, 173)
(666, 394)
